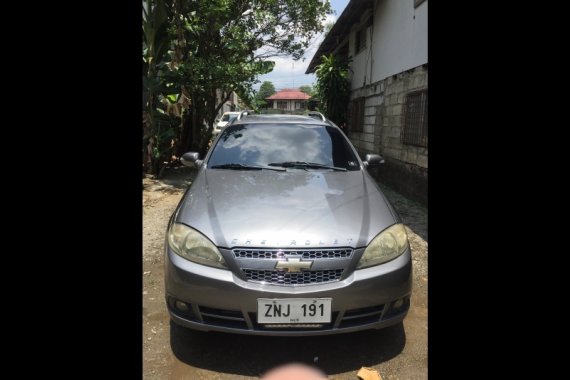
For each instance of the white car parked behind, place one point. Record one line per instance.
(226, 118)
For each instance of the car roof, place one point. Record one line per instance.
(257, 119)
(232, 113)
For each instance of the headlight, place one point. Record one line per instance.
(192, 245)
(386, 246)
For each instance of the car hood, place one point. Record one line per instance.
(297, 208)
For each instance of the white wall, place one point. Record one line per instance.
(290, 104)
(399, 42)
(360, 64)
(275, 107)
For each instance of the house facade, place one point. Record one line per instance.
(288, 99)
(386, 43)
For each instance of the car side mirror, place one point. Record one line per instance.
(373, 160)
(190, 159)
(217, 120)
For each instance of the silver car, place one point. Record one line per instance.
(284, 232)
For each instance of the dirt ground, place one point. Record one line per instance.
(170, 352)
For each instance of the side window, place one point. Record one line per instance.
(360, 40)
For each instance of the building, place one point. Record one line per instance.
(288, 99)
(386, 43)
(232, 103)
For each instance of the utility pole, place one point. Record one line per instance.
(293, 72)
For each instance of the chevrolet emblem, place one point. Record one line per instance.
(294, 265)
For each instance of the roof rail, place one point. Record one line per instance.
(315, 113)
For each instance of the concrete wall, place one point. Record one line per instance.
(406, 167)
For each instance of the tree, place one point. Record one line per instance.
(155, 47)
(265, 90)
(307, 89)
(333, 87)
(220, 46)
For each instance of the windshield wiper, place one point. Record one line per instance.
(236, 166)
(306, 165)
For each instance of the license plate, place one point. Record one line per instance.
(294, 310)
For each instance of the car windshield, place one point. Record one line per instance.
(228, 117)
(284, 145)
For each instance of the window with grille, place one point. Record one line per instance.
(357, 115)
(282, 105)
(415, 126)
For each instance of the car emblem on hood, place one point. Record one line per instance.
(294, 265)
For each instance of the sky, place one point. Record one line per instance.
(288, 73)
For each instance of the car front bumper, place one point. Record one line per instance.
(217, 300)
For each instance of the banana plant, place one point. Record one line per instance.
(156, 42)
(333, 87)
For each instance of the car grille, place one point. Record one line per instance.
(258, 265)
(304, 254)
(301, 278)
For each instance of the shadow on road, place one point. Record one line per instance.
(179, 177)
(253, 355)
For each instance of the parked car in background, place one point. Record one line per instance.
(226, 118)
(284, 232)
